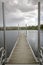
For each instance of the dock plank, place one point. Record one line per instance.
(22, 53)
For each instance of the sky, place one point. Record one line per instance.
(21, 12)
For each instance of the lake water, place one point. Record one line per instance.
(12, 35)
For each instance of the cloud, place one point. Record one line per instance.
(21, 11)
(14, 18)
(23, 5)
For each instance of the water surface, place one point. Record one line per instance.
(12, 35)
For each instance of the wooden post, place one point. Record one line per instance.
(26, 29)
(18, 29)
(3, 22)
(38, 28)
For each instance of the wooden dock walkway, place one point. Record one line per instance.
(22, 53)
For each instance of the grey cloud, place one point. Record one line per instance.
(14, 18)
(22, 7)
(14, 21)
(25, 8)
(36, 1)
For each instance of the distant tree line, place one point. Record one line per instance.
(23, 28)
(41, 26)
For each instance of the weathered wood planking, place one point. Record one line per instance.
(22, 53)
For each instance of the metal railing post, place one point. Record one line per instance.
(4, 28)
(39, 26)
(39, 52)
(3, 22)
(18, 29)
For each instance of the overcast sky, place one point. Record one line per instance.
(21, 12)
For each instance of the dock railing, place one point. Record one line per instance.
(0, 52)
(3, 56)
(41, 55)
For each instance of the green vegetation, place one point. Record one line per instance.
(23, 28)
(41, 27)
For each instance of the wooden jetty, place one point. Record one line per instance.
(22, 52)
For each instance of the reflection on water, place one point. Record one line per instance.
(11, 37)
